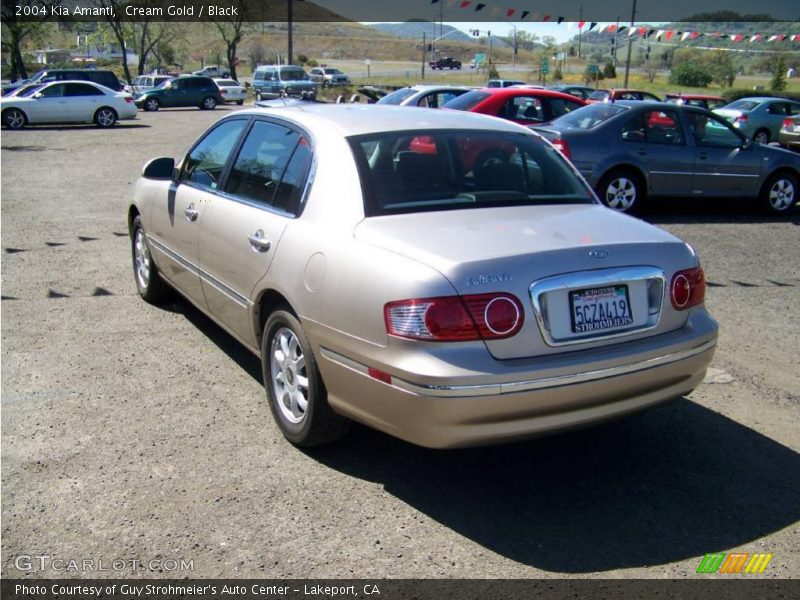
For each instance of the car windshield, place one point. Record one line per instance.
(293, 75)
(397, 97)
(743, 105)
(433, 170)
(467, 101)
(226, 82)
(39, 75)
(588, 117)
(599, 95)
(28, 90)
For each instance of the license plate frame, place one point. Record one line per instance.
(596, 316)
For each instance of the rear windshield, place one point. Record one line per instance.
(467, 101)
(598, 95)
(743, 105)
(419, 171)
(226, 82)
(397, 97)
(590, 116)
(332, 71)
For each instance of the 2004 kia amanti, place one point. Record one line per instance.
(445, 277)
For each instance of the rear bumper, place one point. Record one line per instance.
(534, 402)
(789, 139)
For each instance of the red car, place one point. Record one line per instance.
(702, 100)
(523, 105)
(620, 94)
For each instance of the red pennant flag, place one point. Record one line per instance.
(510, 12)
(546, 18)
(695, 35)
(737, 37)
(465, 3)
(611, 28)
(581, 24)
(668, 35)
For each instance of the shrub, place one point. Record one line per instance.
(778, 68)
(690, 74)
(493, 74)
(588, 76)
(557, 75)
(302, 59)
(609, 71)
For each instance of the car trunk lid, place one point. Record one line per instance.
(510, 248)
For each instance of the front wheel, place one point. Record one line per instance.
(295, 390)
(13, 118)
(240, 102)
(105, 117)
(149, 284)
(779, 194)
(621, 190)
(209, 103)
(152, 105)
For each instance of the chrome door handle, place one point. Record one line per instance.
(191, 212)
(258, 241)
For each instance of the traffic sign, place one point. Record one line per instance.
(480, 58)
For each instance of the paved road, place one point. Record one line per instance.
(136, 432)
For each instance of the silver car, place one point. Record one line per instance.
(445, 277)
(428, 96)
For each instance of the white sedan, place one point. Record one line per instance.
(231, 90)
(67, 102)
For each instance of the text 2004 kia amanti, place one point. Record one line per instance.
(444, 277)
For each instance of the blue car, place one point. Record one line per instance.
(760, 119)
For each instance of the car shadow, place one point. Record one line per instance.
(654, 488)
(663, 486)
(90, 126)
(665, 211)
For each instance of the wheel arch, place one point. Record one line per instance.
(266, 302)
(626, 166)
(776, 171)
(133, 212)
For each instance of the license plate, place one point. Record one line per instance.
(600, 309)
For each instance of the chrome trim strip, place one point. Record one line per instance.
(703, 174)
(235, 296)
(515, 387)
(671, 173)
(598, 278)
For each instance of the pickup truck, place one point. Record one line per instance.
(445, 63)
(213, 71)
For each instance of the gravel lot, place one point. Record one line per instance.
(136, 432)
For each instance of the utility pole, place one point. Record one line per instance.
(630, 45)
(289, 60)
(490, 50)
(514, 50)
(423, 55)
(580, 31)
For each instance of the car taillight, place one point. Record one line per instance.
(787, 123)
(455, 318)
(688, 288)
(563, 147)
(740, 119)
(129, 99)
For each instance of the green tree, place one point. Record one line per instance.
(690, 74)
(17, 33)
(778, 82)
(720, 64)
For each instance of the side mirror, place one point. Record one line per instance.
(159, 168)
(38, 95)
(747, 144)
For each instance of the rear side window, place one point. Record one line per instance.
(409, 172)
(206, 161)
(82, 89)
(560, 107)
(259, 168)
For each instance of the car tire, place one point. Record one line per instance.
(13, 118)
(622, 190)
(761, 137)
(105, 117)
(152, 104)
(780, 193)
(208, 103)
(240, 102)
(148, 282)
(295, 390)
(258, 96)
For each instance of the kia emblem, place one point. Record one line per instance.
(598, 254)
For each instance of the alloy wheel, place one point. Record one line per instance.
(289, 377)
(781, 194)
(142, 256)
(15, 119)
(620, 194)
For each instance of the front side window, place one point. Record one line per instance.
(54, 91)
(409, 172)
(206, 161)
(258, 169)
(293, 75)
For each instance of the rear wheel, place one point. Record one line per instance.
(779, 194)
(622, 190)
(295, 390)
(209, 103)
(152, 105)
(14, 118)
(240, 102)
(761, 136)
(105, 117)
(258, 96)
